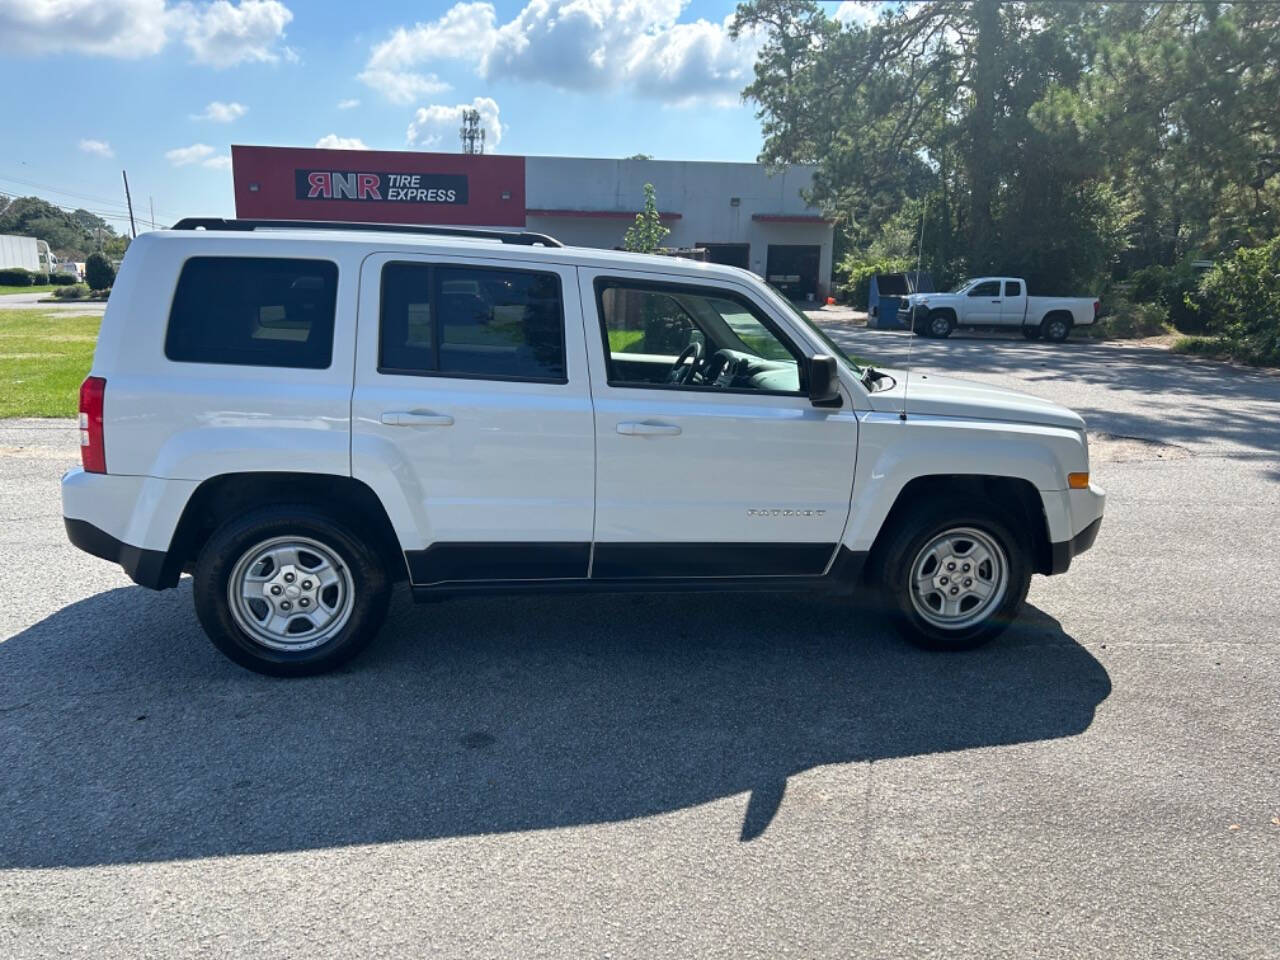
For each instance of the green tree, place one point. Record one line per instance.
(648, 232)
(33, 217)
(1067, 142)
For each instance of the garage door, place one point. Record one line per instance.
(793, 269)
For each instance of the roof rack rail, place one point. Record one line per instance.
(521, 237)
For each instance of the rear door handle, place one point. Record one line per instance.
(631, 428)
(415, 418)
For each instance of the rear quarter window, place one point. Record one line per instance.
(254, 311)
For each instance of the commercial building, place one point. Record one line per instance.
(741, 213)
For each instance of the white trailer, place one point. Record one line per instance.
(25, 252)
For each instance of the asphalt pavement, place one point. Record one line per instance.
(681, 776)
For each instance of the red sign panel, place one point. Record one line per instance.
(378, 186)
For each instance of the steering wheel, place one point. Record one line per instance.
(717, 364)
(681, 374)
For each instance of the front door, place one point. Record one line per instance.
(471, 416)
(982, 304)
(710, 459)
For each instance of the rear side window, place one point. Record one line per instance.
(254, 311)
(1012, 288)
(481, 322)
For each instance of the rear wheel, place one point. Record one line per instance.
(956, 574)
(1055, 328)
(289, 591)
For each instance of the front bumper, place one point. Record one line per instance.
(1063, 553)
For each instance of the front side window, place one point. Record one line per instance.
(471, 322)
(254, 311)
(990, 288)
(691, 337)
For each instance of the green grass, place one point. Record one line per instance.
(43, 358)
(47, 288)
(621, 340)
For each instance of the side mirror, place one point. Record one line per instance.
(824, 381)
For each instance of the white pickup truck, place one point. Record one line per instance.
(997, 302)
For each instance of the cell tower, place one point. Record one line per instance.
(472, 133)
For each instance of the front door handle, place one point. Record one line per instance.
(416, 418)
(995, 301)
(631, 428)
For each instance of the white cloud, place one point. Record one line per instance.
(437, 124)
(221, 33)
(573, 44)
(220, 112)
(110, 28)
(852, 11)
(348, 104)
(401, 86)
(99, 148)
(691, 62)
(331, 141)
(218, 163)
(182, 156)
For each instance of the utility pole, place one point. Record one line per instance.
(129, 200)
(472, 133)
(151, 204)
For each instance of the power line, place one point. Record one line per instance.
(115, 204)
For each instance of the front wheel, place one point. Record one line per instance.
(956, 575)
(941, 325)
(289, 591)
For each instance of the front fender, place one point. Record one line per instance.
(893, 452)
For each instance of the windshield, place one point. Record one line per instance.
(837, 351)
(959, 287)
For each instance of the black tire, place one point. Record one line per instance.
(1055, 328)
(1031, 333)
(941, 324)
(912, 534)
(369, 593)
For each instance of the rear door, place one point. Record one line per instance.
(723, 469)
(472, 415)
(1015, 304)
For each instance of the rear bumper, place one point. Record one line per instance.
(147, 568)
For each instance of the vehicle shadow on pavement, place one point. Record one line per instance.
(125, 737)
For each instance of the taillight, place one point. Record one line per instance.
(93, 455)
(1097, 304)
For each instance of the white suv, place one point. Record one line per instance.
(302, 415)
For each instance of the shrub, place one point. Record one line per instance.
(1173, 288)
(859, 270)
(15, 277)
(98, 272)
(63, 279)
(77, 291)
(1125, 319)
(1240, 299)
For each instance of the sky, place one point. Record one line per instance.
(162, 88)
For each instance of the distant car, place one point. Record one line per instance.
(997, 302)
(302, 416)
(67, 268)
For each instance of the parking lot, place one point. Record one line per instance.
(676, 776)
